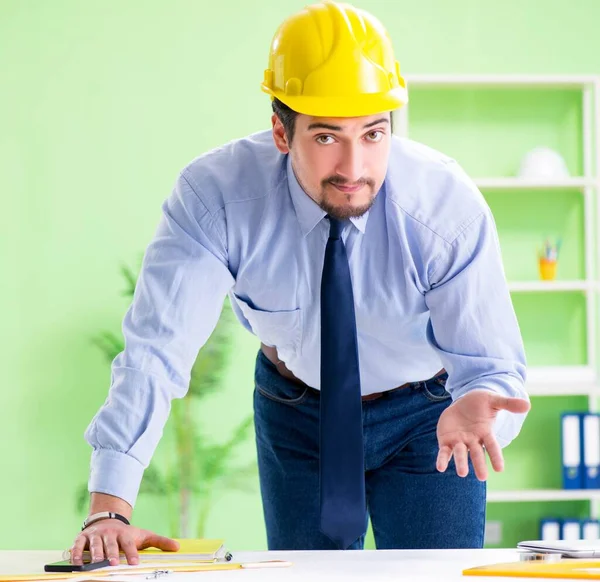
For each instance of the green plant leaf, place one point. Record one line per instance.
(215, 461)
(213, 357)
(82, 497)
(130, 278)
(153, 482)
(240, 478)
(241, 433)
(110, 344)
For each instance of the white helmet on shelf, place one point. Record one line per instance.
(543, 163)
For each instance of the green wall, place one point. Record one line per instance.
(101, 104)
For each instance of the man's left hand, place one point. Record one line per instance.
(466, 427)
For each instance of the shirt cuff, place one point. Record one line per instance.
(507, 426)
(115, 473)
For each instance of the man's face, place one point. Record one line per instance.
(340, 162)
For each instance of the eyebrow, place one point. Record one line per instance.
(318, 125)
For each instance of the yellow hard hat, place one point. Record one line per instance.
(334, 60)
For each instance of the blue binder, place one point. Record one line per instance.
(591, 450)
(572, 466)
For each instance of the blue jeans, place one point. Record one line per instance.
(411, 505)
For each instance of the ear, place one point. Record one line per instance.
(279, 136)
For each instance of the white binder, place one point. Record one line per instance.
(550, 530)
(571, 530)
(591, 451)
(590, 529)
(571, 451)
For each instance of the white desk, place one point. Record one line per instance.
(366, 566)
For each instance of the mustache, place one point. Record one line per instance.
(339, 181)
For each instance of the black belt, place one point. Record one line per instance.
(271, 355)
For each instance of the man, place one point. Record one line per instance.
(369, 268)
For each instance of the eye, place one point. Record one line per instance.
(375, 136)
(322, 139)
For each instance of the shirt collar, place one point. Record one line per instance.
(309, 213)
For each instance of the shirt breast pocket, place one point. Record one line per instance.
(281, 329)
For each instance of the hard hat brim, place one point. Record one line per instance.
(355, 106)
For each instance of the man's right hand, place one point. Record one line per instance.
(106, 537)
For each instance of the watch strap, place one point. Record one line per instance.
(103, 515)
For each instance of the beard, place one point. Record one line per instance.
(345, 211)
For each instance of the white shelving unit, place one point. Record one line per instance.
(522, 184)
(544, 495)
(549, 286)
(563, 380)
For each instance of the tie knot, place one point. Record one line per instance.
(336, 227)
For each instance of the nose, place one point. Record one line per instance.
(350, 165)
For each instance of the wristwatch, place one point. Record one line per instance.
(103, 515)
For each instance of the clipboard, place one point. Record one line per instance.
(149, 568)
(116, 571)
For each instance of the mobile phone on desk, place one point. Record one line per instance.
(66, 566)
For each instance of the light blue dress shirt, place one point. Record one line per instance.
(427, 276)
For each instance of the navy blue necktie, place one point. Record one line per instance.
(342, 473)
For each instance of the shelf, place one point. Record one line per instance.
(551, 286)
(538, 81)
(562, 390)
(561, 374)
(544, 495)
(562, 381)
(516, 183)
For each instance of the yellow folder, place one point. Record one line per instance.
(574, 569)
(196, 550)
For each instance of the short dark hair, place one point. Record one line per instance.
(287, 117)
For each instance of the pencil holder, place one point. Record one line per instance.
(548, 269)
